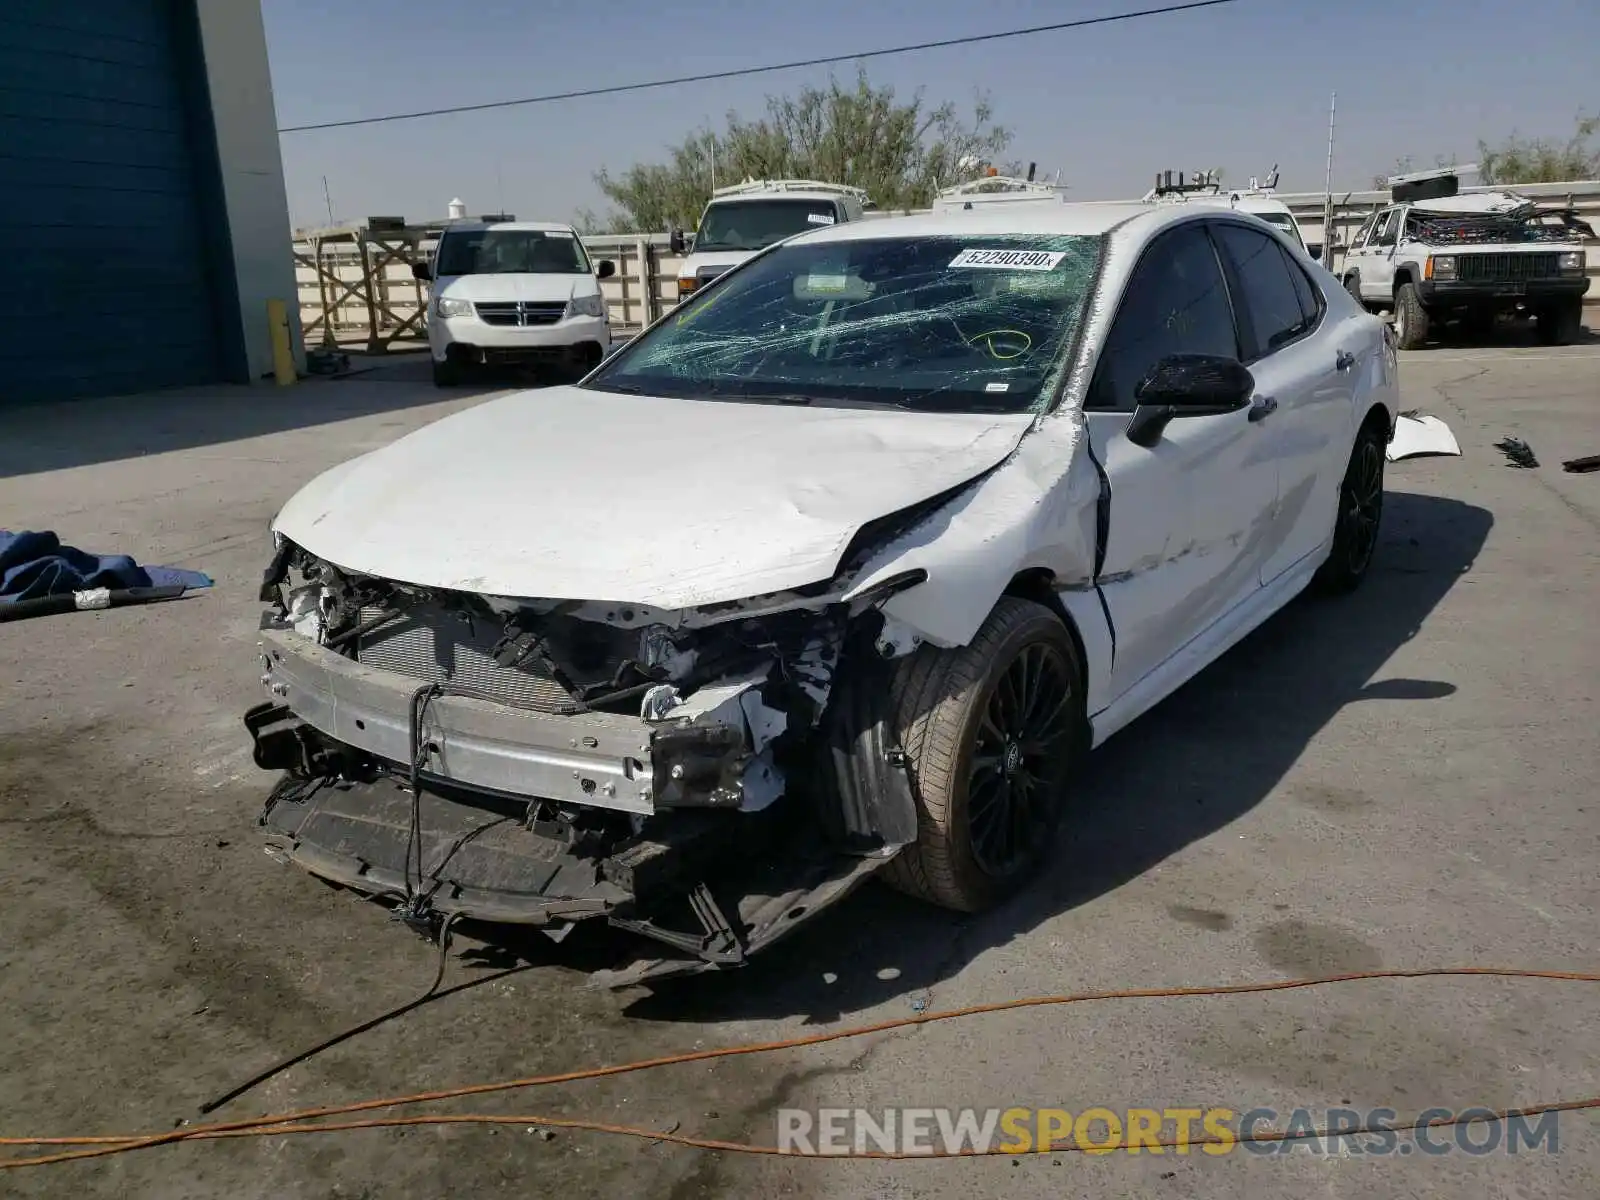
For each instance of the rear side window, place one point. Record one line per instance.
(1305, 291)
(1268, 294)
(1176, 303)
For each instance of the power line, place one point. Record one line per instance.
(614, 89)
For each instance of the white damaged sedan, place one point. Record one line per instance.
(841, 566)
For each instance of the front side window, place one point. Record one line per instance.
(977, 323)
(1176, 303)
(1360, 240)
(757, 224)
(510, 252)
(1266, 287)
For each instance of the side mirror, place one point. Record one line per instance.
(1187, 385)
(422, 270)
(1315, 251)
(676, 242)
(605, 269)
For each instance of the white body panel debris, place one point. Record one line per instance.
(1420, 436)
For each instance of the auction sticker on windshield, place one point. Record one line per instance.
(1009, 260)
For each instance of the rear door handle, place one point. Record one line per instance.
(1263, 408)
(1344, 361)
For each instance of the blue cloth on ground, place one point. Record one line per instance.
(37, 564)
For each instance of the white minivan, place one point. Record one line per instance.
(515, 293)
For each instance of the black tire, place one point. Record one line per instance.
(1411, 322)
(1352, 284)
(949, 705)
(447, 373)
(1359, 516)
(1561, 324)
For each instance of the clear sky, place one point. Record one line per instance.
(1238, 87)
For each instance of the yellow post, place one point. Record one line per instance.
(282, 351)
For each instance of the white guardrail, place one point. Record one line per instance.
(364, 292)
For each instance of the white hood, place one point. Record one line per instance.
(564, 493)
(502, 287)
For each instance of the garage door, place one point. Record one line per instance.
(107, 205)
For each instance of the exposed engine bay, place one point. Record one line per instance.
(542, 762)
(1524, 225)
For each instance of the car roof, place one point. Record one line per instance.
(1041, 219)
(1242, 201)
(1473, 203)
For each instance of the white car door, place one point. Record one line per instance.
(1357, 251)
(1187, 518)
(1303, 362)
(1377, 266)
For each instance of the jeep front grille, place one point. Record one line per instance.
(433, 645)
(1507, 268)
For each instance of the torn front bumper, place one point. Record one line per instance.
(508, 821)
(690, 882)
(594, 759)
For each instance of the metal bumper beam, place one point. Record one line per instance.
(602, 760)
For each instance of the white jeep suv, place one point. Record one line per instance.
(1469, 258)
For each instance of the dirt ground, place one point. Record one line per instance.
(1401, 778)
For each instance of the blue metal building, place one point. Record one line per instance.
(141, 196)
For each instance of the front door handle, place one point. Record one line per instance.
(1263, 408)
(1344, 361)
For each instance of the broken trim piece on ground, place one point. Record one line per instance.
(1417, 435)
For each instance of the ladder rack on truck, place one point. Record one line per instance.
(992, 189)
(1205, 183)
(752, 187)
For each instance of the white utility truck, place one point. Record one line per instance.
(1257, 199)
(745, 218)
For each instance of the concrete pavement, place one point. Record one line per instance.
(1401, 778)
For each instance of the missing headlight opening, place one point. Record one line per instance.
(578, 759)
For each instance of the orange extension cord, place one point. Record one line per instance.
(309, 1120)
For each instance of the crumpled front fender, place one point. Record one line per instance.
(1037, 511)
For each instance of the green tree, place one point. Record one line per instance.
(1542, 160)
(900, 152)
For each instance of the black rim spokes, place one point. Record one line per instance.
(1364, 502)
(1019, 764)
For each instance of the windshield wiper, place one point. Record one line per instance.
(629, 389)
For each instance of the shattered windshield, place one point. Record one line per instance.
(953, 324)
(510, 252)
(756, 224)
